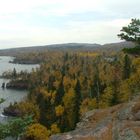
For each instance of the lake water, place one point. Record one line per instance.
(9, 94)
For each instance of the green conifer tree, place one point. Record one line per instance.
(127, 67)
(60, 93)
(77, 100)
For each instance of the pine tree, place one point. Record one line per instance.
(127, 67)
(14, 73)
(131, 32)
(51, 83)
(60, 93)
(77, 100)
(96, 87)
(115, 86)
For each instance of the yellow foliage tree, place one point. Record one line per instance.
(28, 108)
(106, 98)
(59, 110)
(69, 105)
(37, 132)
(54, 129)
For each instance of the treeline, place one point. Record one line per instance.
(68, 84)
(30, 58)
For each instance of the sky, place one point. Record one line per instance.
(41, 22)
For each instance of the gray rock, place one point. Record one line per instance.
(137, 116)
(119, 123)
(129, 134)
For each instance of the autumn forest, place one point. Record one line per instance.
(66, 85)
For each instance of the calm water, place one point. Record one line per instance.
(9, 94)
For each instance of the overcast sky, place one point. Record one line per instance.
(41, 22)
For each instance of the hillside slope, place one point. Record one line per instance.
(121, 122)
(62, 47)
(67, 47)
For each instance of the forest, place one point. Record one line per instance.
(67, 85)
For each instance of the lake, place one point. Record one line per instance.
(11, 95)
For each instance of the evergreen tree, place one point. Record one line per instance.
(77, 100)
(66, 56)
(96, 87)
(131, 32)
(14, 73)
(115, 86)
(60, 93)
(51, 83)
(127, 67)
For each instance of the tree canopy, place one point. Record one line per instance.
(131, 32)
(66, 85)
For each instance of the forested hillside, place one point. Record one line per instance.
(72, 81)
(69, 84)
(66, 47)
(69, 69)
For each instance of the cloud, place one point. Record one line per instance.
(38, 22)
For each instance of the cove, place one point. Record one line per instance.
(11, 95)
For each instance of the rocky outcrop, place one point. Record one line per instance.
(121, 122)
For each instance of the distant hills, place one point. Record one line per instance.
(67, 47)
(118, 46)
